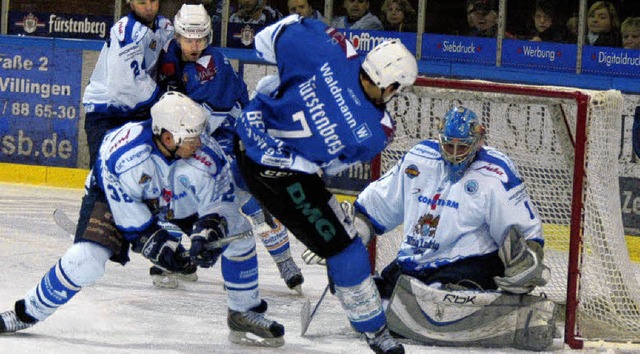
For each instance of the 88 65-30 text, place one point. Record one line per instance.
(40, 110)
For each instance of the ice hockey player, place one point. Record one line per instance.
(122, 87)
(190, 64)
(323, 112)
(144, 167)
(472, 248)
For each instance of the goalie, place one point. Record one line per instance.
(472, 248)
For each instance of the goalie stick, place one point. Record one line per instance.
(65, 223)
(306, 316)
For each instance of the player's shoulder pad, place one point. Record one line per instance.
(209, 158)
(127, 148)
(128, 30)
(164, 23)
(428, 149)
(493, 163)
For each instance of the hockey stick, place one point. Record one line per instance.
(306, 316)
(64, 222)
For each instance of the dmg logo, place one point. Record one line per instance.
(313, 214)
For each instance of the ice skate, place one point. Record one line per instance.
(252, 328)
(382, 342)
(291, 274)
(169, 280)
(10, 321)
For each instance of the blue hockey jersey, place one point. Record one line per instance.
(319, 117)
(211, 79)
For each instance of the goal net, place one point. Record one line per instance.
(564, 143)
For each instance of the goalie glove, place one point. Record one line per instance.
(162, 249)
(207, 230)
(523, 263)
(359, 222)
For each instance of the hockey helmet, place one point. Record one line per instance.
(391, 62)
(193, 21)
(460, 134)
(179, 115)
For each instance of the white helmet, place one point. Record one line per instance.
(179, 115)
(390, 62)
(193, 21)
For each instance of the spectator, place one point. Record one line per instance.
(603, 25)
(357, 17)
(255, 12)
(399, 16)
(572, 28)
(470, 17)
(304, 9)
(547, 27)
(484, 16)
(630, 29)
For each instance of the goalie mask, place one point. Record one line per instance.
(179, 115)
(193, 21)
(460, 135)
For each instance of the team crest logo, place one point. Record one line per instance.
(153, 45)
(427, 225)
(246, 35)
(412, 171)
(471, 187)
(30, 23)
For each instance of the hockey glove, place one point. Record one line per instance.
(206, 231)
(161, 249)
(361, 223)
(523, 263)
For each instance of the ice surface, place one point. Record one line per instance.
(124, 313)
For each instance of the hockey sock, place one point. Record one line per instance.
(276, 241)
(54, 290)
(240, 274)
(350, 271)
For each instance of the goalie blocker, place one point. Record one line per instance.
(470, 318)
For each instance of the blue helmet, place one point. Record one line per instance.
(460, 135)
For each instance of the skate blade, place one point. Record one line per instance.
(305, 317)
(188, 277)
(165, 281)
(250, 339)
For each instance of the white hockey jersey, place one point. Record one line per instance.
(124, 78)
(445, 222)
(142, 186)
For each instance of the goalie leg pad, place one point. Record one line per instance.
(470, 318)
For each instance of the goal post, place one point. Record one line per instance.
(564, 142)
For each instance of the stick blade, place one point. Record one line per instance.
(305, 317)
(62, 220)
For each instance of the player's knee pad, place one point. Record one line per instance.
(351, 266)
(84, 262)
(470, 318)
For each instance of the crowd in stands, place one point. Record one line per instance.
(613, 23)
